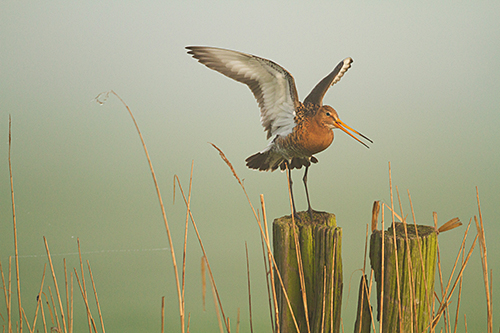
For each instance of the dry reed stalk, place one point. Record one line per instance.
(43, 318)
(85, 300)
(249, 290)
(446, 313)
(54, 309)
(15, 232)
(96, 298)
(203, 282)
(66, 288)
(411, 281)
(459, 296)
(9, 308)
(39, 296)
(188, 209)
(445, 302)
(268, 270)
(164, 215)
(369, 296)
(238, 321)
(224, 158)
(27, 322)
(57, 287)
(461, 250)
(484, 260)
(70, 328)
(462, 247)
(465, 322)
(212, 280)
(6, 293)
(217, 307)
(395, 250)
(162, 314)
(84, 290)
(48, 306)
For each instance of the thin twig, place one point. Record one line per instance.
(224, 158)
(164, 215)
(444, 303)
(484, 261)
(84, 288)
(395, 252)
(459, 295)
(446, 313)
(205, 255)
(56, 285)
(39, 296)
(249, 290)
(411, 279)
(85, 300)
(15, 231)
(96, 298)
(43, 317)
(267, 269)
(54, 309)
(6, 293)
(162, 314)
(67, 293)
(183, 288)
(217, 307)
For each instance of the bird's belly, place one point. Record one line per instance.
(301, 146)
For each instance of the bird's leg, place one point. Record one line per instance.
(290, 183)
(309, 208)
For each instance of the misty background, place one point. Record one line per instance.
(424, 86)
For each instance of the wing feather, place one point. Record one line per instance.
(272, 85)
(316, 95)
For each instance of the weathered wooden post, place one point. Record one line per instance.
(320, 247)
(407, 277)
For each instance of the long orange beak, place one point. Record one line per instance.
(340, 124)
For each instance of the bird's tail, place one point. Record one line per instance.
(268, 160)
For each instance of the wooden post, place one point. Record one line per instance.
(416, 270)
(320, 249)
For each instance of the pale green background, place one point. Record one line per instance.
(424, 86)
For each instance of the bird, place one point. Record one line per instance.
(297, 130)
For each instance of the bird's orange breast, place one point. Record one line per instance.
(313, 137)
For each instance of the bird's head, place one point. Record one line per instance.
(327, 116)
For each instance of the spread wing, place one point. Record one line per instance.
(273, 87)
(316, 95)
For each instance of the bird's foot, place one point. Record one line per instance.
(296, 216)
(311, 213)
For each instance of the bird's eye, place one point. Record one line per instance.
(328, 114)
